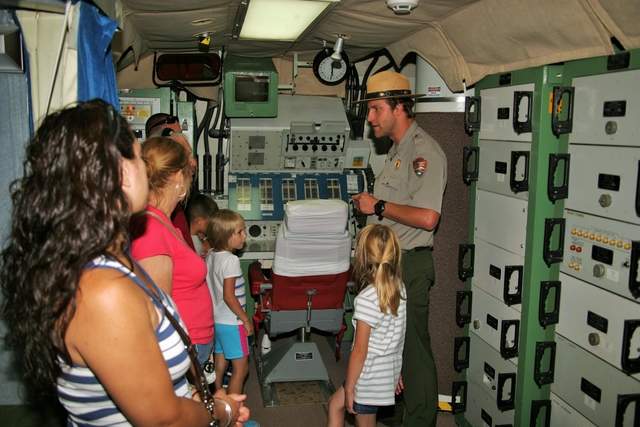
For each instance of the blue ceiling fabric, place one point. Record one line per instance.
(96, 71)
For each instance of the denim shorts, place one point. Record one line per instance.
(204, 350)
(364, 409)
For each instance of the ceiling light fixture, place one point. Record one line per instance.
(338, 48)
(282, 20)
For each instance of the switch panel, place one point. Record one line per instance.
(491, 270)
(596, 326)
(604, 181)
(489, 318)
(607, 109)
(501, 221)
(599, 251)
(590, 385)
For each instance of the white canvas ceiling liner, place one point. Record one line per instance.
(621, 19)
(53, 82)
(363, 23)
(491, 37)
(163, 28)
(462, 39)
(432, 44)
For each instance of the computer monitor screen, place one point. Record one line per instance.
(251, 88)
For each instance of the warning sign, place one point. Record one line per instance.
(434, 90)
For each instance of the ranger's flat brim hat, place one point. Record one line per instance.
(388, 84)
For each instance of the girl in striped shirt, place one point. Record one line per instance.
(380, 322)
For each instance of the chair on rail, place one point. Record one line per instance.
(307, 287)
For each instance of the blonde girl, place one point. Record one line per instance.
(225, 231)
(380, 322)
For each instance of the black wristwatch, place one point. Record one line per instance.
(378, 208)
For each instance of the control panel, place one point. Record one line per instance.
(137, 110)
(310, 133)
(260, 198)
(602, 252)
(303, 153)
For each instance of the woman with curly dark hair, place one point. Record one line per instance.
(84, 316)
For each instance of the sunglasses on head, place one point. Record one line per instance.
(168, 121)
(113, 123)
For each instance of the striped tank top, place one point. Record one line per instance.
(82, 394)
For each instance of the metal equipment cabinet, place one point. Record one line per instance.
(551, 314)
(598, 335)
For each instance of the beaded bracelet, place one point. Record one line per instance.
(210, 407)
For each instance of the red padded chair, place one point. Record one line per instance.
(288, 303)
(284, 302)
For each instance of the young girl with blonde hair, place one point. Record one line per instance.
(380, 321)
(225, 231)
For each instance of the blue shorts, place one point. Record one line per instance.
(230, 340)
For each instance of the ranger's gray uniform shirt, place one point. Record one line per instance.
(402, 182)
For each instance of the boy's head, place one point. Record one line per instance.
(200, 208)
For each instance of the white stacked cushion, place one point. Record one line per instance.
(311, 254)
(317, 216)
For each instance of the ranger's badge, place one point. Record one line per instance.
(397, 165)
(419, 166)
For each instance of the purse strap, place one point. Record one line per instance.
(195, 375)
(170, 228)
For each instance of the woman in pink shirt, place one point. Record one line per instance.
(161, 248)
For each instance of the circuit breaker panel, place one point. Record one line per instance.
(137, 105)
(551, 314)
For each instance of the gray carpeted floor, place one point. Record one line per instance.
(303, 413)
(299, 407)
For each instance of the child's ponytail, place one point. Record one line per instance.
(378, 261)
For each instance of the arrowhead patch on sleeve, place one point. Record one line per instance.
(419, 166)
